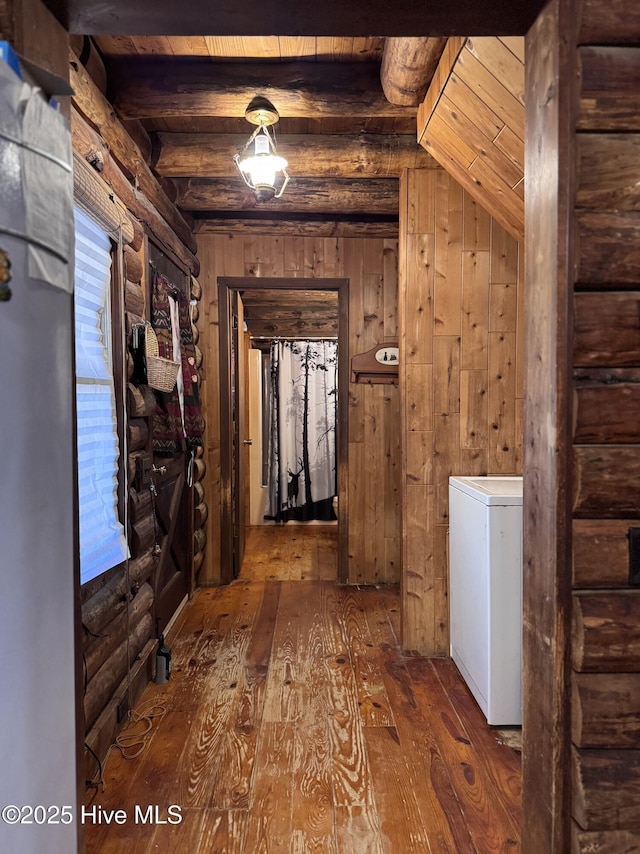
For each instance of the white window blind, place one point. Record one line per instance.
(102, 540)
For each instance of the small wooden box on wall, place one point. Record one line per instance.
(378, 365)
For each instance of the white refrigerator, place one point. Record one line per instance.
(485, 592)
(37, 487)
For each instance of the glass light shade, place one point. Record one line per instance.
(260, 166)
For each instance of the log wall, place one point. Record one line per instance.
(374, 420)
(582, 510)
(461, 367)
(200, 505)
(118, 608)
(605, 610)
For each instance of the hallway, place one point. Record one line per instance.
(293, 723)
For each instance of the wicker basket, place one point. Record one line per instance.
(161, 373)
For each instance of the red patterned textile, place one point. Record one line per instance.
(170, 435)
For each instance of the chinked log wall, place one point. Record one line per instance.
(374, 420)
(118, 608)
(605, 609)
(581, 755)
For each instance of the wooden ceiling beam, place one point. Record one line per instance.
(291, 17)
(300, 328)
(336, 196)
(289, 300)
(271, 313)
(181, 155)
(408, 65)
(298, 227)
(151, 89)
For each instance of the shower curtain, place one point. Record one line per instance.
(302, 442)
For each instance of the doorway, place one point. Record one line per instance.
(233, 438)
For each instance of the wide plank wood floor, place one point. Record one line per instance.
(293, 723)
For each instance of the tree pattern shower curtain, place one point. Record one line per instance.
(302, 444)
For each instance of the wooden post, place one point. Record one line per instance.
(549, 250)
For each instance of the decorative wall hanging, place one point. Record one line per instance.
(178, 418)
(378, 365)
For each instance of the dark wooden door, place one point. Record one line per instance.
(173, 520)
(174, 499)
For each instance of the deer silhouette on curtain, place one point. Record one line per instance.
(302, 441)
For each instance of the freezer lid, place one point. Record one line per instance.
(498, 490)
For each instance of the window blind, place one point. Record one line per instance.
(102, 538)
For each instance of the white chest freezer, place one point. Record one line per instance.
(485, 591)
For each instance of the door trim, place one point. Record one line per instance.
(226, 286)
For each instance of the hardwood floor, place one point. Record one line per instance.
(293, 723)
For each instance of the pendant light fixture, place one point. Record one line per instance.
(259, 163)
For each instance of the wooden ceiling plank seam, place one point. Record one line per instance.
(153, 46)
(499, 61)
(497, 97)
(467, 101)
(512, 146)
(299, 48)
(324, 49)
(189, 46)
(474, 140)
(515, 45)
(116, 45)
(372, 46)
(499, 211)
(449, 138)
(457, 116)
(486, 177)
(261, 47)
(341, 47)
(224, 46)
(519, 189)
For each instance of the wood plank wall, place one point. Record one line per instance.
(374, 419)
(461, 368)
